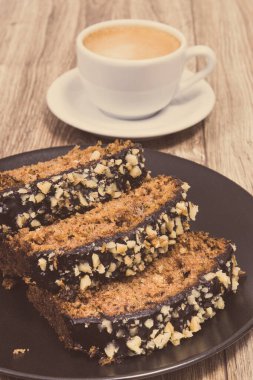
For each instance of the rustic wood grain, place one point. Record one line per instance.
(37, 45)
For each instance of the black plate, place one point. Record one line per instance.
(225, 210)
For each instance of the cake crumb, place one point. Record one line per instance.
(93, 351)
(242, 273)
(106, 361)
(19, 352)
(8, 283)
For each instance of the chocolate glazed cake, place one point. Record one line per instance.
(166, 303)
(115, 240)
(40, 194)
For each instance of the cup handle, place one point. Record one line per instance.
(194, 51)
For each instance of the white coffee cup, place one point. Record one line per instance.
(134, 89)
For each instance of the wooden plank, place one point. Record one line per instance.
(37, 45)
(228, 133)
(239, 359)
(190, 143)
(228, 29)
(33, 60)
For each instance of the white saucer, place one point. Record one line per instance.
(68, 100)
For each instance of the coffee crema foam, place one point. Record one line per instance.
(131, 42)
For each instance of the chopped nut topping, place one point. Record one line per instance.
(173, 235)
(149, 323)
(70, 177)
(35, 223)
(161, 340)
(134, 344)
(85, 267)
(112, 267)
(209, 276)
(181, 208)
(132, 159)
(42, 264)
(76, 271)
(135, 172)
(53, 202)
(150, 232)
(176, 337)
(137, 258)
(82, 199)
(141, 267)
(101, 269)
(95, 155)
(56, 178)
(100, 169)
(194, 324)
(91, 184)
(131, 244)
(106, 324)
(20, 352)
(60, 283)
(187, 333)
(122, 170)
(191, 300)
(165, 310)
(58, 193)
(223, 278)
(21, 219)
(22, 191)
(117, 194)
(44, 186)
(110, 350)
(130, 272)
(195, 293)
(163, 241)
(111, 245)
(120, 333)
(101, 191)
(210, 312)
(169, 328)
(185, 186)
(39, 197)
(233, 247)
(193, 210)
(128, 261)
(95, 260)
(150, 345)
(179, 228)
(85, 282)
(154, 333)
(121, 248)
(219, 304)
(133, 331)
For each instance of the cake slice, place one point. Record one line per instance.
(39, 194)
(116, 239)
(166, 303)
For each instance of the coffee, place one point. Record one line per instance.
(131, 42)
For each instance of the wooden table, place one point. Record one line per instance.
(37, 44)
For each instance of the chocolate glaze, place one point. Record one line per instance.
(88, 335)
(67, 260)
(84, 338)
(11, 205)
